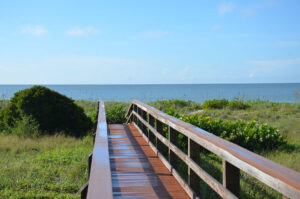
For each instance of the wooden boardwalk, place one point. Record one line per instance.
(127, 160)
(135, 169)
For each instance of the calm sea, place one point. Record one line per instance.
(196, 92)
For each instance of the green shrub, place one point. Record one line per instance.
(3, 104)
(116, 114)
(237, 104)
(27, 126)
(176, 104)
(246, 134)
(215, 104)
(224, 103)
(93, 116)
(52, 111)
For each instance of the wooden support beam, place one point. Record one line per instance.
(84, 190)
(90, 163)
(231, 178)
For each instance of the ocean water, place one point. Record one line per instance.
(287, 92)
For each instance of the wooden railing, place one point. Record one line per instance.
(153, 123)
(99, 184)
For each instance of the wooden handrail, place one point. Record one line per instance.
(100, 184)
(235, 158)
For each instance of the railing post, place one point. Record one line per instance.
(173, 137)
(194, 154)
(231, 178)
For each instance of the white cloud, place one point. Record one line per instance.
(77, 31)
(216, 28)
(155, 34)
(34, 30)
(225, 8)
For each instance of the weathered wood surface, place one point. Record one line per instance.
(100, 183)
(282, 179)
(136, 170)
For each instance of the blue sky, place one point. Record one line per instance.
(142, 42)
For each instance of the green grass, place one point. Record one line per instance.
(46, 167)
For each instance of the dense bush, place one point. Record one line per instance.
(246, 134)
(224, 103)
(3, 103)
(51, 111)
(215, 104)
(176, 104)
(116, 114)
(237, 104)
(26, 127)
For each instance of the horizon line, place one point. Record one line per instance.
(148, 84)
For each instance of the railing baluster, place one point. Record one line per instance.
(173, 138)
(151, 121)
(231, 178)
(151, 135)
(144, 128)
(194, 154)
(159, 129)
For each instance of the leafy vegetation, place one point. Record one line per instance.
(179, 106)
(44, 167)
(51, 111)
(224, 103)
(3, 103)
(215, 104)
(116, 115)
(237, 104)
(26, 127)
(246, 134)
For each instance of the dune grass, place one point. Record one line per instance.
(46, 167)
